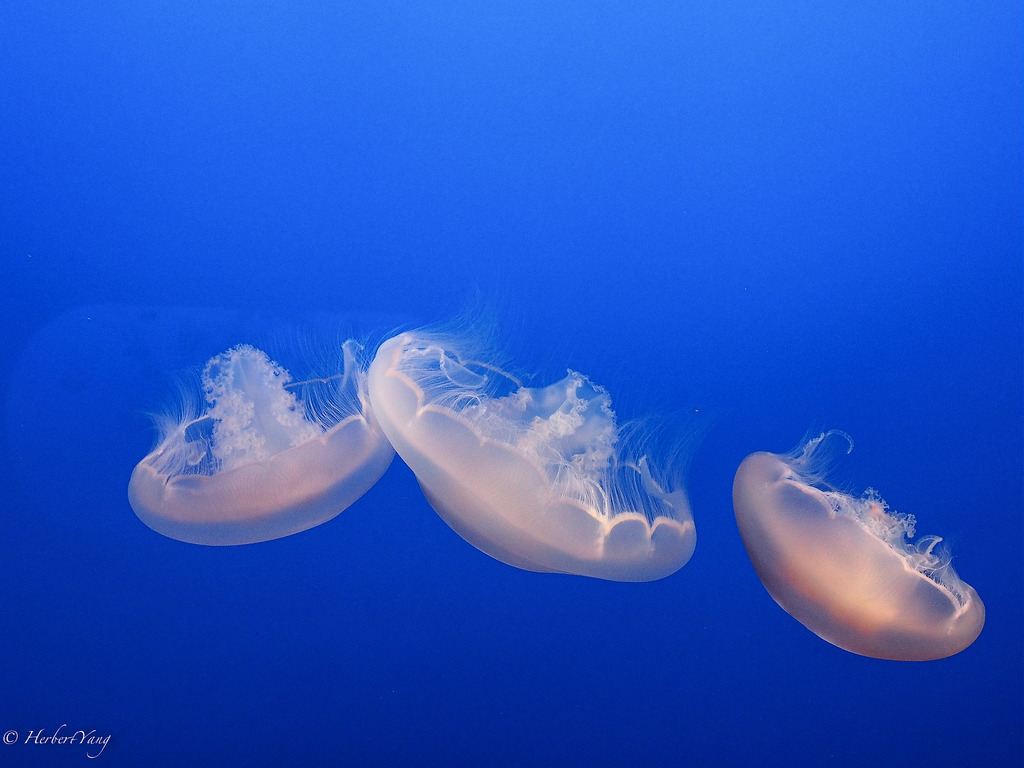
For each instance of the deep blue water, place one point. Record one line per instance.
(785, 216)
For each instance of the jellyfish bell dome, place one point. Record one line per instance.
(845, 567)
(535, 477)
(260, 456)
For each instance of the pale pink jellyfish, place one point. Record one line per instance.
(537, 478)
(844, 567)
(260, 456)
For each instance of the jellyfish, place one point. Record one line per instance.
(262, 456)
(845, 567)
(537, 478)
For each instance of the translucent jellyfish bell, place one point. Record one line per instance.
(532, 477)
(844, 567)
(263, 457)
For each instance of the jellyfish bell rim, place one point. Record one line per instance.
(803, 558)
(184, 507)
(610, 539)
(401, 406)
(613, 542)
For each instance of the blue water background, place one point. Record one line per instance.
(773, 217)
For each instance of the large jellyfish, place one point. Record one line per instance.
(263, 456)
(844, 566)
(533, 477)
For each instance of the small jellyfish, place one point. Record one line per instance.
(262, 456)
(535, 478)
(845, 567)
